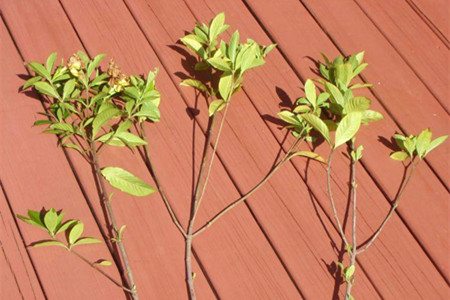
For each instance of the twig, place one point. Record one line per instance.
(112, 218)
(229, 207)
(148, 161)
(391, 211)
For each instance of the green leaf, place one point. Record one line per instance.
(399, 155)
(31, 221)
(336, 95)
(132, 92)
(86, 240)
(150, 111)
(370, 116)
(66, 225)
(301, 109)
(359, 85)
(40, 70)
(103, 262)
(225, 85)
(359, 69)
(75, 232)
(220, 64)
(249, 58)
(69, 86)
(93, 64)
(356, 104)
(216, 25)
(49, 243)
(435, 143)
(410, 146)
(309, 155)
(130, 139)
(51, 220)
(347, 128)
(46, 89)
(289, 118)
(319, 125)
(103, 118)
(195, 84)
(422, 142)
(359, 57)
(42, 122)
(127, 182)
(50, 62)
(31, 82)
(216, 106)
(310, 92)
(73, 146)
(63, 127)
(349, 272)
(194, 43)
(232, 48)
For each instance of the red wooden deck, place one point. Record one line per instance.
(279, 245)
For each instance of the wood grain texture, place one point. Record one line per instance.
(435, 13)
(281, 244)
(415, 42)
(18, 279)
(376, 160)
(30, 164)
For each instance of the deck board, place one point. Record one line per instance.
(280, 244)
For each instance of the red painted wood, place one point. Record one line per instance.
(159, 270)
(415, 42)
(437, 12)
(18, 279)
(30, 165)
(239, 155)
(413, 209)
(153, 33)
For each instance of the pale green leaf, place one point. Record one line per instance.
(103, 262)
(309, 154)
(127, 182)
(422, 142)
(220, 63)
(86, 240)
(150, 111)
(46, 89)
(289, 118)
(310, 92)
(76, 232)
(49, 243)
(216, 106)
(130, 139)
(50, 62)
(435, 143)
(31, 82)
(66, 225)
(356, 104)
(399, 155)
(103, 118)
(336, 95)
(319, 125)
(51, 220)
(40, 70)
(232, 48)
(225, 85)
(69, 86)
(347, 128)
(370, 116)
(216, 25)
(195, 84)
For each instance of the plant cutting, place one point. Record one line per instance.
(343, 113)
(228, 62)
(84, 109)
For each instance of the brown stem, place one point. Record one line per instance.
(229, 207)
(354, 245)
(94, 266)
(391, 211)
(158, 184)
(112, 218)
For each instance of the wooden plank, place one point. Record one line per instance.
(157, 258)
(30, 163)
(246, 157)
(278, 77)
(18, 279)
(294, 20)
(395, 85)
(435, 13)
(414, 41)
(150, 26)
(238, 243)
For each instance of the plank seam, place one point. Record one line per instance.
(381, 103)
(429, 23)
(440, 101)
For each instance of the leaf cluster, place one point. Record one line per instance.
(230, 60)
(52, 222)
(416, 145)
(87, 107)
